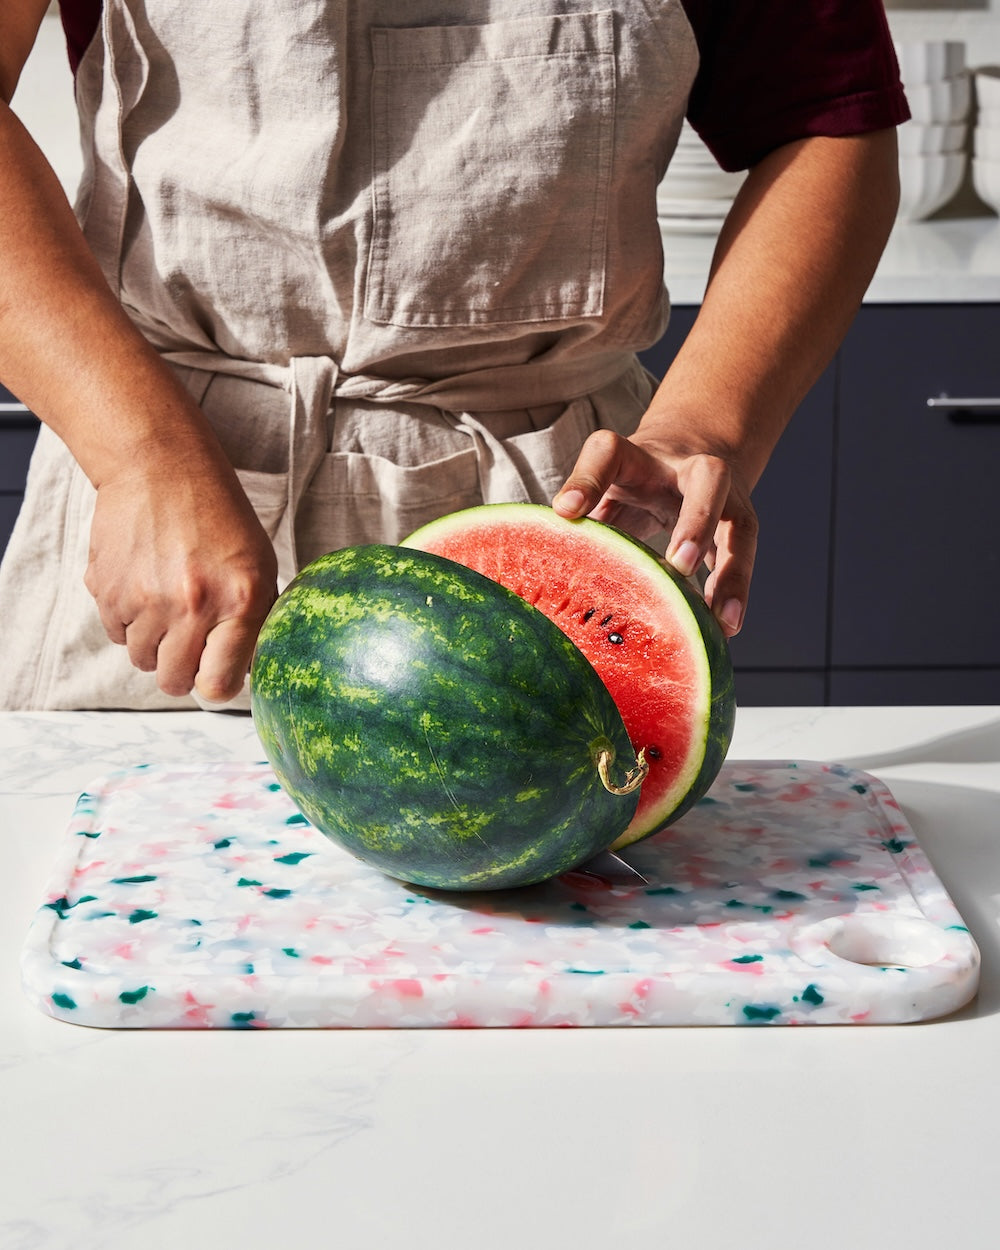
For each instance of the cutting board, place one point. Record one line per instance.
(793, 893)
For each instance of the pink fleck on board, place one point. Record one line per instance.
(793, 893)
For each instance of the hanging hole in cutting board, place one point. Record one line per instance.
(882, 941)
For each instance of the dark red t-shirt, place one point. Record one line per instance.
(785, 70)
(769, 73)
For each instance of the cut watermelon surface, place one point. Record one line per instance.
(645, 629)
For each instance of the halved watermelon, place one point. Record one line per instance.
(645, 629)
(435, 725)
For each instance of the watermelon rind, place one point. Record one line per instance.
(712, 707)
(434, 724)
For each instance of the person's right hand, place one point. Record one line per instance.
(183, 575)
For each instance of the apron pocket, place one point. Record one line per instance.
(268, 495)
(492, 153)
(357, 499)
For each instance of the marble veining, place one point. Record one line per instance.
(114, 1138)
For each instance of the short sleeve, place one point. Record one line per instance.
(770, 73)
(80, 19)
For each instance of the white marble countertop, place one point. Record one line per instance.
(800, 1137)
(949, 260)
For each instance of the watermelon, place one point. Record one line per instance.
(644, 627)
(435, 725)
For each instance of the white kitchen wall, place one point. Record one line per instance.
(44, 102)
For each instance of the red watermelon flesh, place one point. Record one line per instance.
(644, 628)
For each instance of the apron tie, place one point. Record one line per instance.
(501, 478)
(311, 381)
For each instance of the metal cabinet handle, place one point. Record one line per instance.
(7, 407)
(956, 401)
(968, 410)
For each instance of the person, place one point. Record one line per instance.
(336, 269)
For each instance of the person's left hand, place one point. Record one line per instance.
(647, 483)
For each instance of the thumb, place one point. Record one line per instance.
(598, 465)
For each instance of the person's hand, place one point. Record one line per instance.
(646, 484)
(183, 576)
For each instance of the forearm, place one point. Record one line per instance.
(791, 267)
(797, 252)
(66, 347)
(180, 569)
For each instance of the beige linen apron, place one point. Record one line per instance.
(402, 268)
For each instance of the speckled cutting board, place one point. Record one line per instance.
(199, 898)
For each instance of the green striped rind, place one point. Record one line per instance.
(715, 713)
(434, 724)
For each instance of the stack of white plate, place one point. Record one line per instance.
(986, 138)
(932, 145)
(695, 194)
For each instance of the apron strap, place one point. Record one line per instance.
(501, 479)
(312, 381)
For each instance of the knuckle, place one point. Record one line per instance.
(242, 593)
(697, 519)
(603, 441)
(249, 598)
(215, 689)
(174, 685)
(600, 451)
(746, 522)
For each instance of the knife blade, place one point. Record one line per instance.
(609, 867)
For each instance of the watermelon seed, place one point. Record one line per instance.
(589, 613)
(617, 639)
(607, 618)
(654, 753)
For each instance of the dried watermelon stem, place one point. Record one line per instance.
(633, 778)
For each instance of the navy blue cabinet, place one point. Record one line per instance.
(916, 568)
(18, 431)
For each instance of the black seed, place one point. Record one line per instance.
(589, 613)
(607, 618)
(654, 753)
(617, 639)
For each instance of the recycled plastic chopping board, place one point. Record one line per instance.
(200, 898)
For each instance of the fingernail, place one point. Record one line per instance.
(571, 500)
(685, 558)
(731, 614)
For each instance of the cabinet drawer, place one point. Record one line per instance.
(914, 687)
(780, 688)
(786, 622)
(916, 562)
(17, 441)
(18, 431)
(10, 505)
